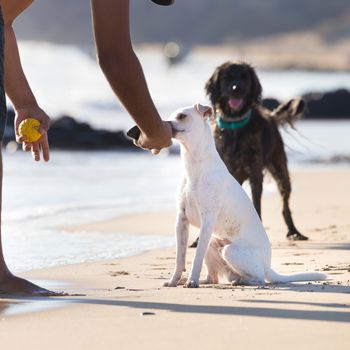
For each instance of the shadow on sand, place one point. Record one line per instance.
(25, 304)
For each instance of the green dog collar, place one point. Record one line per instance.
(243, 121)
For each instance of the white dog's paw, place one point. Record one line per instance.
(170, 284)
(191, 284)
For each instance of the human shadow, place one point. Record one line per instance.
(313, 245)
(311, 287)
(248, 311)
(288, 302)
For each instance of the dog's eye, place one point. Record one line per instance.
(181, 116)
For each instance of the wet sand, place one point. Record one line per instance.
(125, 306)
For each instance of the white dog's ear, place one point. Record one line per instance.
(205, 111)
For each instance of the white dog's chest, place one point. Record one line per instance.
(226, 223)
(192, 209)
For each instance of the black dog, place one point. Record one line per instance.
(247, 136)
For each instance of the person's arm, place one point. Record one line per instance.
(16, 84)
(124, 72)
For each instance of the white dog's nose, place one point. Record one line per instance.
(173, 129)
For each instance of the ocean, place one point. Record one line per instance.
(42, 200)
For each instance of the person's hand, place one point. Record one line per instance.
(42, 145)
(160, 138)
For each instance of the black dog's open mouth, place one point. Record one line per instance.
(235, 103)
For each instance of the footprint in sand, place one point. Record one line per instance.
(293, 263)
(112, 264)
(336, 268)
(118, 273)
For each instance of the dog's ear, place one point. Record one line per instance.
(256, 86)
(212, 86)
(204, 111)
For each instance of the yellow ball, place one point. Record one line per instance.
(29, 129)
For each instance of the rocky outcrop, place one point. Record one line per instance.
(328, 105)
(270, 103)
(69, 134)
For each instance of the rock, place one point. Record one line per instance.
(329, 105)
(270, 103)
(69, 134)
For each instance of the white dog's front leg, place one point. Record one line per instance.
(182, 226)
(206, 230)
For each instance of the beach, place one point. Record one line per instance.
(121, 302)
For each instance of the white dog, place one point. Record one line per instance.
(232, 240)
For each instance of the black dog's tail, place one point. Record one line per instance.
(289, 112)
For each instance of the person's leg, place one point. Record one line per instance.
(9, 283)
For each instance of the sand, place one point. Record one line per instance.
(125, 307)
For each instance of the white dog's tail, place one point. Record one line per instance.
(274, 277)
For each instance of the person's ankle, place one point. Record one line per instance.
(5, 274)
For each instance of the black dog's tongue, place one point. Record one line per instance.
(134, 133)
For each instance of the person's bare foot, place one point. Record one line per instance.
(13, 285)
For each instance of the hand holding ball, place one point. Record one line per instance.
(29, 130)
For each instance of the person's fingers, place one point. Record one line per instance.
(138, 144)
(169, 144)
(26, 146)
(153, 151)
(45, 149)
(17, 122)
(44, 126)
(19, 139)
(36, 151)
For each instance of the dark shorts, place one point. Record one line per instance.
(3, 110)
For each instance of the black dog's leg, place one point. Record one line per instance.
(256, 184)
(279, 171)
(194, 243)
